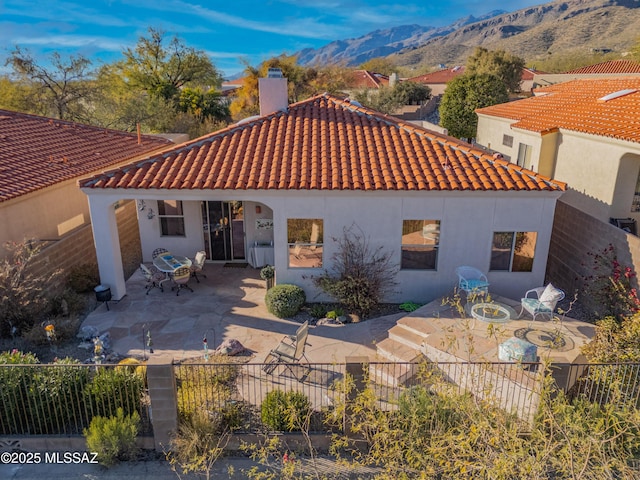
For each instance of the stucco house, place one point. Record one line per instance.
(584, 132)
(611, 68)
(41, 160)
(283, 185)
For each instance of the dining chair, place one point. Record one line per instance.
(198, 265)
(153, 276)
(180, 278)
(159, 251)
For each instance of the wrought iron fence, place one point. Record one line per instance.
(54, 399)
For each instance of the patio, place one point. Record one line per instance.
(229, 304)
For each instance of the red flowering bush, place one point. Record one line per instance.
(611, 291)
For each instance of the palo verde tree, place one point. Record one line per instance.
(504, 65)
(464, 94)
(61, 90)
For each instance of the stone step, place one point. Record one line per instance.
(398, 352)
(418, 325)
(407, 337)
(392, 375)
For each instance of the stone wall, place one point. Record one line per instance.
(575, 235)
(77, 247)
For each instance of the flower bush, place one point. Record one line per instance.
(285, 300)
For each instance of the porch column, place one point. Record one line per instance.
(107, 242)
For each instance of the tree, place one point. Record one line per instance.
(389, 99)
(465, 94)
(380, 65)
(504, 65)
(202, 105)
(64, 89)
(411, 93)
(161, 69)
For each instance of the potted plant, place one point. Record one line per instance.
(267, 273)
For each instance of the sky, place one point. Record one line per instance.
(230, 32)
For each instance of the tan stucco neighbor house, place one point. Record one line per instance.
(41, 160)
(584, 132)
(281, 186)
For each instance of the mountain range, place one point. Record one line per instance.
(572, 26)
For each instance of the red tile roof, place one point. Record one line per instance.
(366, 79)
(37, 152)
(576, 106)
(613, 66)
(324, 143)
(439, 76)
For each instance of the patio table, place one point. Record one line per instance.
(492, 312)
(170, 263)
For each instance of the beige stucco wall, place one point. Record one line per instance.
(468, 221)
(47, 214)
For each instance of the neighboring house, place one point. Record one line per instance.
(611, 69)
(41, 160)
(583, 132)
(292, 180)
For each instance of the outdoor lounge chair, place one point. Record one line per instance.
(472, 281)
(541, 301)
(289, 352)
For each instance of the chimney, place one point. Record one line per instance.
(272, 92)
(393, 79)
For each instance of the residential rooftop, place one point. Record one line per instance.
(610, 67)
(38, 152)
(608, 107)
(324, 143)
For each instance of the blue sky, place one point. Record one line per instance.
(227, 31)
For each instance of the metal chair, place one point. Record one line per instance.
(472, 281)
(158, 251)
(541, 301)
(153, 277)
(198, 265)
(289, 352)
(180, 278)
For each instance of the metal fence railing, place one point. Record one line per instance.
(63, 398)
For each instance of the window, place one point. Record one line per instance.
(513, 251)
(171, 218)
(507, 140)
(524, 155)
(635, 204)
(304, 239)
(420, 243)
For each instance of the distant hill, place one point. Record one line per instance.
(380, 43)
(532, 33)
(535, 32)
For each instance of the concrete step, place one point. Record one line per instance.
(407, 337)
(398, 352)
(418, 325)
(392, 375)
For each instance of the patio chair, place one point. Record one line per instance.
(154, 278)
(289, 352)
(157, 252)
(472, 281)
(198, 265)
(541, 301)
(181, 278)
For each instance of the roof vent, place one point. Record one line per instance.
(274, 73)
(618, 94)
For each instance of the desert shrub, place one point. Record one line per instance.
(333, 314)
(69, 302)
(317, 310)
(23, 294)
(285, 300)
(113, 438)
(361, 276)
(15, 386)
(285, 411)
(84, 277)
(113, 388)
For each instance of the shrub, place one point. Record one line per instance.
(317, 310)
(361, 275)
(285, 411)
(23, 293)
(114, 388)
(113, 438)
(285, 300)
(83, 278)
(267, 272)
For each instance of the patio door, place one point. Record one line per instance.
(223, 230)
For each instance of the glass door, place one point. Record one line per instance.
(223, 224)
